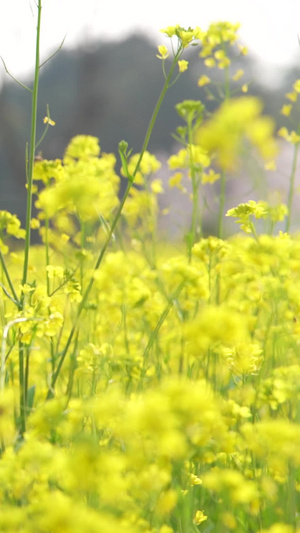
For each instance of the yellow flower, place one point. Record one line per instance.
(210, 177)
(34, 223)
(237, 118)
(243, 50)
(163, 52)
(156, 186)
(296, 86)
(82, 146)
(170, 30)
(286, 110)
(283, 132)
(54, 271)
(210, 62)
(199, 518)
(204, 80)
(26, 289)
(291, 137)
(228, 520)
(294, 137)
(48, 120)
(167, 502)
(183, 65)
(239, 74)
(166, 529)
(292, 96)
(175, 180)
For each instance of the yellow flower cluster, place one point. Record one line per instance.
(215, 43)
(239, 118)
(83, 184)
(181, 401)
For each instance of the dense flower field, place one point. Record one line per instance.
(145, 386)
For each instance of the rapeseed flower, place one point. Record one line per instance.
(221, 136)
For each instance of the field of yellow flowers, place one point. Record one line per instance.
(148, 387)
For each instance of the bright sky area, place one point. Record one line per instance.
(268, 27)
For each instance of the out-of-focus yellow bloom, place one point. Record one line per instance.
(210, 177)
(35, 223)
(239, 74)
(54, 272)
(229, 520)
(194, 156)
(167, 502)
(183, 65)
(286, 110)
(82, 146)
(296, 86)
(222, 135)
(243, 50)
(279, 528)
(156, 186)
(11, 225)
(210, 62)
(292, 96)
(203, 80)
(291, 137)
(166, 529)
(175, 180)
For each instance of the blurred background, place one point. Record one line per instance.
(106, 79)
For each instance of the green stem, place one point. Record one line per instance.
(159, 324)
(8, 278)
(32, 146)
(291, 189)
(29, 172)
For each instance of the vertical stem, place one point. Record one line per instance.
(23, 391)
(8, 277)
(32, 146)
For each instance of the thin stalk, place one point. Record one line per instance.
(15, 297)
(29, 176)
(32, 146)
(111, 231)
(291, 189)
(154, 334)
